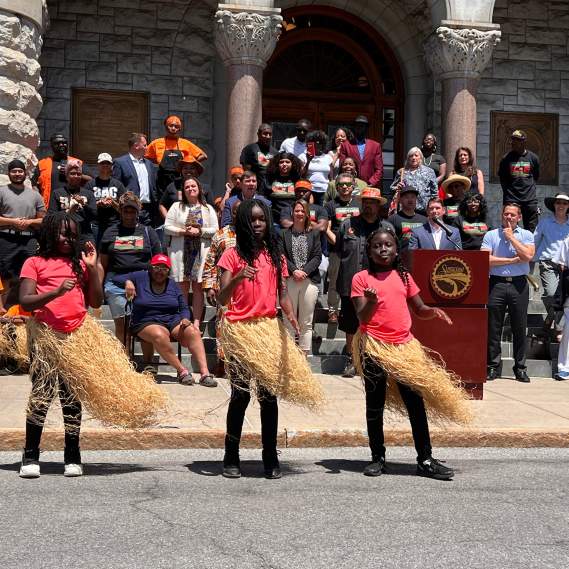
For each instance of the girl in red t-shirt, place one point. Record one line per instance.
(56, 285)
(392, 363)
(259, 352)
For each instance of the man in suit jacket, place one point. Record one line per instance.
(366, 153)
(138, 175)
(433, 236)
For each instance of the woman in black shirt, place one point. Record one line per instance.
(125, 248)
(471, 221)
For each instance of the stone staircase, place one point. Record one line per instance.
(328, 345)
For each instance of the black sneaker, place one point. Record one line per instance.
(231, 466)
(375, 468)
(432, 468)
(522, 375)
(271, 465)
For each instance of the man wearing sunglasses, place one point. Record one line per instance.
(297, 144)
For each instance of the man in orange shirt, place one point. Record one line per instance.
(167, 151)
(50, 173)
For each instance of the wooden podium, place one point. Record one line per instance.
(456, 281)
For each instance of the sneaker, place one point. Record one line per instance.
(432, 468)
(562, 376)
(208, 381)
(185, 377)
(73, 470)
(30, 467)
(349, 370)
(375, 468)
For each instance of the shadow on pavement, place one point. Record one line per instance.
(90, 468)
(337, 466)
(249, 468)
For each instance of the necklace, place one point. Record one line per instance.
(429, 162)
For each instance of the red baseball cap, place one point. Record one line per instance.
(161, 259)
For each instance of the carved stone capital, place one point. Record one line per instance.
(460, 52)
(246, 37)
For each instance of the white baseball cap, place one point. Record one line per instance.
(104, 157)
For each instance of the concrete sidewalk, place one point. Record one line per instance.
(511, 414)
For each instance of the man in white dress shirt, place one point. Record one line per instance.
(138, 174)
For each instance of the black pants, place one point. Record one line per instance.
(37, 411)
(375, 382)
(240, 397)
(513, 296)
(530, 215)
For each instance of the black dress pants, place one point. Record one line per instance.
(375, 382)
(513, 296)
(240, 397)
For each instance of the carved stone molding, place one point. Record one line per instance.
(246, 37)
(460, 52)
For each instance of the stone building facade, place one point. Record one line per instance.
(457, 60)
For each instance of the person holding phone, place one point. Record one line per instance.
(318, 167)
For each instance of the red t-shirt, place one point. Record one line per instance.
(391, 321)
(255, 298)
(64, 313)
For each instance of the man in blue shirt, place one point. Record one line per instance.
(511, 249)
(248, 192)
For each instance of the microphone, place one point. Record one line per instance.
(437, 221)
(448, 232)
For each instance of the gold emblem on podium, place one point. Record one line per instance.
(451, 277)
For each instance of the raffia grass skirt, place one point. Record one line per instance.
(263, 350)
(411, 364)
(97, 372)
(14, 343)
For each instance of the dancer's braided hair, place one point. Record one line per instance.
(248, 248)
(48, 239)
(397, 262)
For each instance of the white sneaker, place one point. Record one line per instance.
(72, 470)
(31, 469)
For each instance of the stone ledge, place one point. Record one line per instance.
(109, 439)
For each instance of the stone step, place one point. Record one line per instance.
(535, 368)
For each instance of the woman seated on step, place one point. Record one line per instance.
(161, 315)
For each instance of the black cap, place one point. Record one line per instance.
(361, 119)
(409, 189)
(16, 164)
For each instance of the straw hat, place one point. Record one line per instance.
(371, 193)
(457, 178)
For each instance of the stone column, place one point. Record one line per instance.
(245, 42)
(21, 26)
(457, 56)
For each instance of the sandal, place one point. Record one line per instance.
(185, 377)
(208, 380)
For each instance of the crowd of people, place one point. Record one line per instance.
(163, 244)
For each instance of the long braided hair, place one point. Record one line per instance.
(247, 247)
(397, 262)
(52, 225)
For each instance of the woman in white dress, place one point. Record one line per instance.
(190, 224)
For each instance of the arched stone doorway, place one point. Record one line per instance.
(330, 66)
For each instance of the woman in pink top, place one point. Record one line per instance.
(381, 295)
(252, 279)
(57, 285)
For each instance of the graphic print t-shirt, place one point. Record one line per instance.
(404, 225)
(518, 175)
(111, 188)
(129, 249)
(471, 232)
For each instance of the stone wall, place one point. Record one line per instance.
(20, 102)
(529, 72)
(163, 47)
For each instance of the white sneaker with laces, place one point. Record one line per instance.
(73, 470)
(30, 470)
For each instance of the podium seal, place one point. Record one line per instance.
(451, 277)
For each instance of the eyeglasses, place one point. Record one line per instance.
(344, 184)
(161, 268)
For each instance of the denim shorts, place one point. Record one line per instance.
(114, 297)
